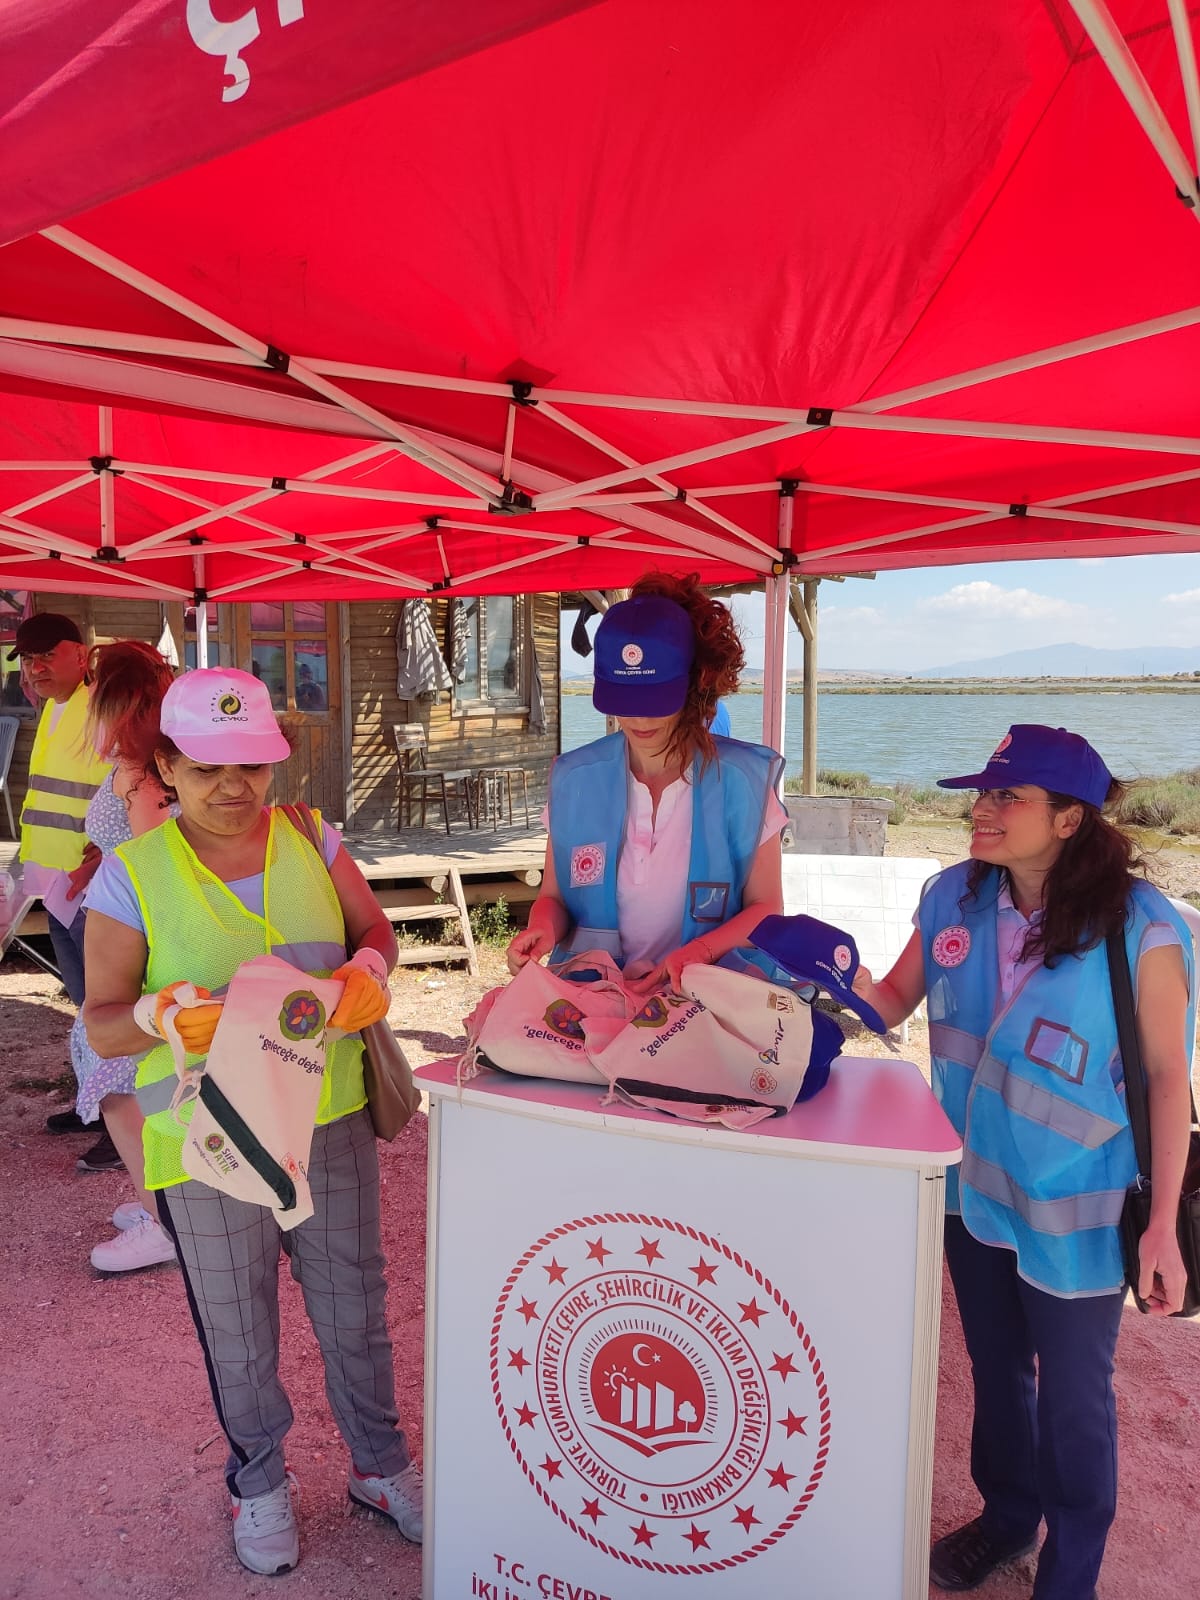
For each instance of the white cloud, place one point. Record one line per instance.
(1186, 597)
(988, 602)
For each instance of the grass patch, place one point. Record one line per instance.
(1168, 805)
(907, 799)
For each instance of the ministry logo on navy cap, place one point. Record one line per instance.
(644, 652)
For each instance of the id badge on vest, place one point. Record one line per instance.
(708, 902)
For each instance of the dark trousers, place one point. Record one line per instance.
(68, 952)
(1044, 1439)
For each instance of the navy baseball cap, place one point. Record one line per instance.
(644, 651)
(817, 952)
(1054, 759)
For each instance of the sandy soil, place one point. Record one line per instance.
(114, 1480)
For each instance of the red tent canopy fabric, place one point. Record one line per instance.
(555, 294)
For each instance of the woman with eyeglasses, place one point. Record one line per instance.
(1010, 955)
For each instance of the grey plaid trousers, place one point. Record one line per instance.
(229, 1253)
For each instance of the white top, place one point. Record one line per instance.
(653, 868)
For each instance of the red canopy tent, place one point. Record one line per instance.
(495, 296)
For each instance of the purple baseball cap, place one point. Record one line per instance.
(1054, 759)
(644, 651)
(817, 952)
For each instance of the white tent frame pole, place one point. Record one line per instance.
(446, 466)
(775, 618)
(1127, 75)
(44, 539)
(16, 329)
(1020, 433)
(45, 466)
(1185, 49)
(687, 458)
(672, 491)
(201, 612)
(108, 509)
(47, 495)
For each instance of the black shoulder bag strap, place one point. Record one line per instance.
(1136, 1102)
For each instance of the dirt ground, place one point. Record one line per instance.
(114, 1481)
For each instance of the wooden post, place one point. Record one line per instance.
(810, 685)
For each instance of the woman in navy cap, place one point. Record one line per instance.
(664, 841)
(1010, 952)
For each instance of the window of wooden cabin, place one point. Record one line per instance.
(13, 701)
(289, 650)
(495, 630)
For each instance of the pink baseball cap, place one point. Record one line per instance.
(224, 717)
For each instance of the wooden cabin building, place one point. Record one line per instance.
(332, 668)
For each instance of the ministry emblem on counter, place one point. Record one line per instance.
(659, 1394)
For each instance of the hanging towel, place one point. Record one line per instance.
(580, 642)
(537, 695)
(166, 648)
(420, 670)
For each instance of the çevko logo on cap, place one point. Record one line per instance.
(221, 716)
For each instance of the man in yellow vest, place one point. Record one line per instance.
(64, 774)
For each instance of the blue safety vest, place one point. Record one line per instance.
(588, 802)
(1034, 1087)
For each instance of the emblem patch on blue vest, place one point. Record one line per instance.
(587, 865)
(709, 901)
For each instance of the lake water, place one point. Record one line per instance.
(919, 737)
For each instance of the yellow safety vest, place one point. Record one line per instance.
(197, 929)
(64, 774)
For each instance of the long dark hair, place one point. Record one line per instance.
(1086, 891)
(716, 665)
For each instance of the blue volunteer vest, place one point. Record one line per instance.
(588, 800)
(1035, 1087)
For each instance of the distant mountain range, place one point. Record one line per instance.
(1075, 661)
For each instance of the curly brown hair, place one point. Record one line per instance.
(1087, 889)
(716, 665)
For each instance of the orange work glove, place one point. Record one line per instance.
(194, 1024)
(366, 997)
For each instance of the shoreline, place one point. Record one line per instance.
(958, 686)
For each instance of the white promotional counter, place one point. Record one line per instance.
(663, 1359)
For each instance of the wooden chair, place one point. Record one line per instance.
(417, 782)
(493, 786)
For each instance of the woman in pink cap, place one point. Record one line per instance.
(1010, 952)
(189, 902)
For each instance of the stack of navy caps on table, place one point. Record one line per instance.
(818, 953)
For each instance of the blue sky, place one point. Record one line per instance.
(908, 620)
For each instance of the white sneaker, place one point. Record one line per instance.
(129, 1215)
(400, 1497)
(143, 1245)
(265, 1539)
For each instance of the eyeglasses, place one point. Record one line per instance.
(1003, 799)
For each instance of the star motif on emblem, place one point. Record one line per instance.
(525, 1416)
(642, 1535)
(591, 1508)
(552, 1468)
(650, 1250)
(596, 1250)
(779, 1478)
(528, 1309)
(705, 1273)
(554, 1273)
(697, 1537)
(783, 1365)
(745, 1515)
(793, 1423)
(517, 1358)
(751, 1311)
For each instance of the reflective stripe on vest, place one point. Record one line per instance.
(589, 799)
(197, 929)
(1034, 1087)
(64, 774)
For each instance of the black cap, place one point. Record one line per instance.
(42, 632)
